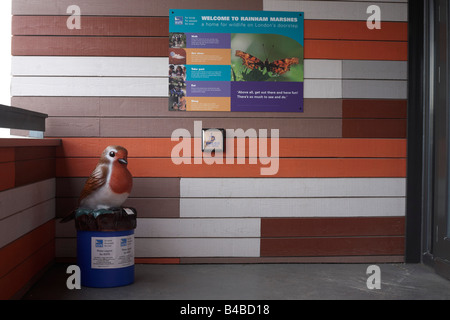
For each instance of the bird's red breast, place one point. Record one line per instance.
(120, 180)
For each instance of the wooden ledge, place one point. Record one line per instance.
(29, 142)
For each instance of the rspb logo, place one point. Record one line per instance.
(178, 20)
(98, 243)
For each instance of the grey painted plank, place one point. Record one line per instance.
(67, 127)
(183, 228)
(13, 200)
(368, 69)
(158, 107)
(374, 89)
(339, 10)
(15, 226)
(128, 8)
(178, 247)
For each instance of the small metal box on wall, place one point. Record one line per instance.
(213, 140)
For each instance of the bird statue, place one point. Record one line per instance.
(109, 185)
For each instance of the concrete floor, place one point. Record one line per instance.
(254, 282)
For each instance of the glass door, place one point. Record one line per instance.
(440, 162)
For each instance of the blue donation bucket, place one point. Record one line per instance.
(105, 246)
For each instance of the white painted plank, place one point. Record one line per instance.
(339, 10)
(371, 69)
(322, 69)
(374, 89)
(132, 67)
(178, 248)
(291, 187)
(90, 66)
(133, 87)
(292, 207)
(319, 88)
(183, 228)
(25, 221)
(13, 200)
(89, 86)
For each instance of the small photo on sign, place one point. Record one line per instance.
(213, 140)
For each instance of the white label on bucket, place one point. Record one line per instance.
(112, 252)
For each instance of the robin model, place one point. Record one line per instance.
(109, 185)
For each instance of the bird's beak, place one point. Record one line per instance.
(123, 161)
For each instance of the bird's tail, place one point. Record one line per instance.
(68, 217)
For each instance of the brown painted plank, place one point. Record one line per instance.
(159, 27)
(330, 259)
(157, 260)
(334, 246)
(142, 187)
(90, 46)
(19, 250)
(131, 8)
(332, 227)
(29, 153)
(7, 154)
(29, 171)
(374, 109)
(374, 128)
(19, 142)
(91, 26)
(7, 174)
(21, 276)
(158, 107)
(145, 207)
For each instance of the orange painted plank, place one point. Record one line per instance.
(354, 30)
(288, 167)
(7, 174)
(19, 250)
(294, 147)
(356, 50)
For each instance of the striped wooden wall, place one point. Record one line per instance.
(339, 193)
(27, 211)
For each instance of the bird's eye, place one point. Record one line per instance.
(112, 154)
